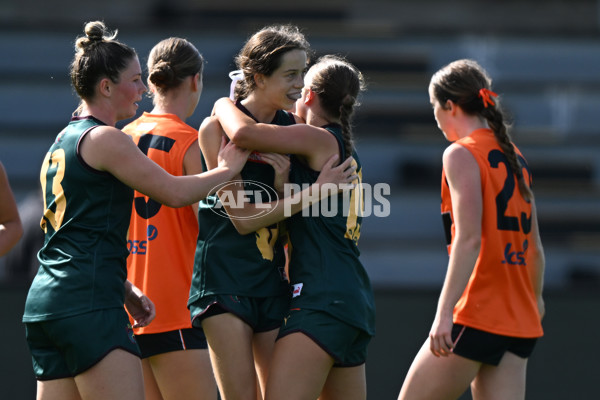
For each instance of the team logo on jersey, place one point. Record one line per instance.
(242, 195)
(255, 157)
(297, 289)
(514, 257)
(151, 232)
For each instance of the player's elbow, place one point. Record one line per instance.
(241, 137)
(468, 242)
(176, 199)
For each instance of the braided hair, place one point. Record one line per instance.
(462, 82)
(338, 84)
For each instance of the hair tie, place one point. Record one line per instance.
(485, 96)
(235, 76)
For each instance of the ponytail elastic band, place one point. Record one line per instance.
(485, 95)
(235, 76)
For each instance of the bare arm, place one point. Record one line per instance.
(139, 306)
(539, 260)
(313, 143)
(341, 176)
(11, 228)
(281, 164)
(192, 165)
(210, 135)
(108, 149)
(462, 172)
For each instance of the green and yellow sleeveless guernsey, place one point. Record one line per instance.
(229, 263)
(86, 217)
(325, 270)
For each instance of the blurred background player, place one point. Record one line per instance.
(11, 228)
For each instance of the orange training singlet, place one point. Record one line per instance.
(162, 240)
(499, 297)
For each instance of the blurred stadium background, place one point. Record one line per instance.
(544, 57)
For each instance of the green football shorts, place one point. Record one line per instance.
(263, 314)
(346, 344)
(66, 347)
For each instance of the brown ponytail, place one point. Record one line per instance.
(171, 61)
(338, 83)
(98, 55)
(461, 81)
